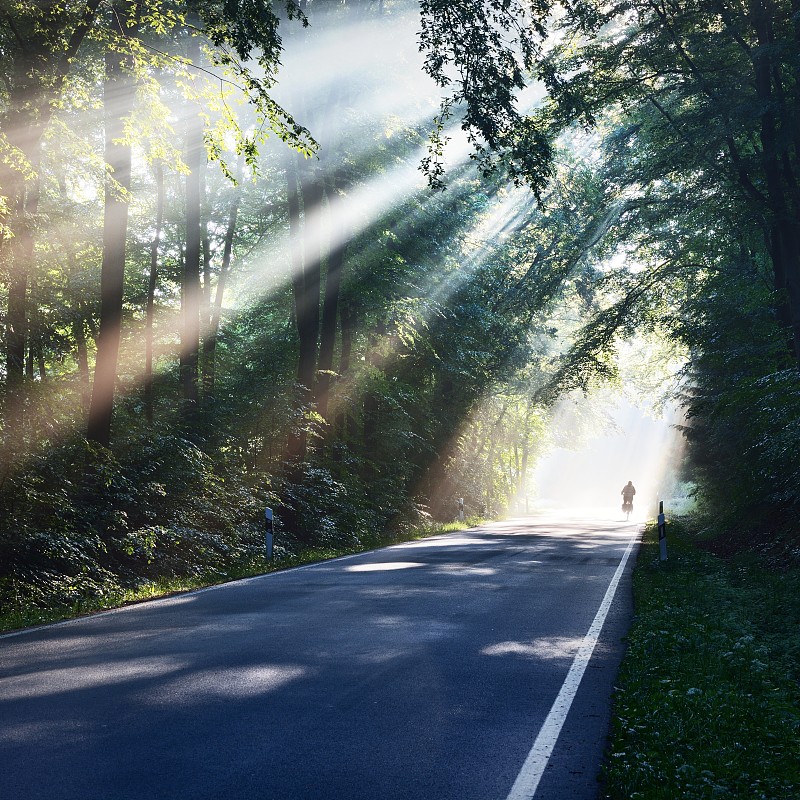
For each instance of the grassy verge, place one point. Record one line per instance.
(23, 615)
(708, 704)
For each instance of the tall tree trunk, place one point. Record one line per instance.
(784, 244)
(210, 340)
(333, 283)
(337, 244)
(152, 282)
(205, 293)
(33, 333)
(23, 201)
(522, 477)
(118, 98)
(307, 309)
(35, 343)
(794, 103)
(305, 285)
(330, 308)
(345, 421)
(82, 357)
(22, 125)
(35, 74)
(296, 447)
(190, 277)
(371, 400)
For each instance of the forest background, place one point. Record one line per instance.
(225, 283)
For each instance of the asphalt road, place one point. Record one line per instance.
(424, 671)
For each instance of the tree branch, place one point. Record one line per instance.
(76, 39)
(14, 30)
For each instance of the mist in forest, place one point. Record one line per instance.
(318, 330)
(629, 444)
(360, 89)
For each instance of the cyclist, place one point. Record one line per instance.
(628, 491)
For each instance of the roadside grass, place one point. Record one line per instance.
(23, 615)
(708, 697)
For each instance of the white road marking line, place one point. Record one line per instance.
(527, 781)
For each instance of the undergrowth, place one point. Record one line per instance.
(708, 704)
(83, 528)
(20, 612)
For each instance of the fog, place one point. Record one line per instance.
(629, 444)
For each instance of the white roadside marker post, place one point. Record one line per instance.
(662, 531)
(268, 532)
(460, 509)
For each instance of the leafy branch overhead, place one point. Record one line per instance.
(482, 54)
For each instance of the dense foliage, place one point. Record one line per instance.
(708, 694)
(186, 345)
(236, 291)
(694, 107)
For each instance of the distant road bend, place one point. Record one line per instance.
(431, 670)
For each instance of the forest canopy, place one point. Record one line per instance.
(345, 259)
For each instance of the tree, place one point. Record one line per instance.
(722, 77)
(215, 311)
(118, 98)
(152, 282)
(190, 275)
(38, 43)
